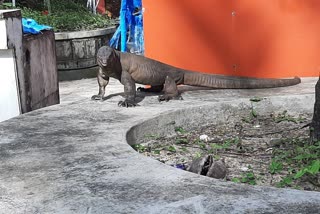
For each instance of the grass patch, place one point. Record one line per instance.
(298, 160)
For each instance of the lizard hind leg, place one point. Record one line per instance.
(170, 91)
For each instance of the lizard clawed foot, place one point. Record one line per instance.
(167, 97)
(142, 89)
(96, 97)
(152, 89)
(127, 103)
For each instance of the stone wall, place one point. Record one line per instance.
(76, 52)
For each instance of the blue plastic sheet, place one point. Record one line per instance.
(31, 26)
(129, 35)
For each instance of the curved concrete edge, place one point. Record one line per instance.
(85, 34)
(74, 158)
(221, 112)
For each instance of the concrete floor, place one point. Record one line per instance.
(75, 158)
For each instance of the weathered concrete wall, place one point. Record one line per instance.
(40, 71)
(76, 52)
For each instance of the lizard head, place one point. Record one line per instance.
(104, 56)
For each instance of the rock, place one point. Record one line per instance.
(244, 169)
(208, 167)
(204, 138)
(200, 165)
(217, 170)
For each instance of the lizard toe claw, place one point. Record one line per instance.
(96, 97)
(142, 89)
(126, 103)
(169, 97)
(163, 98)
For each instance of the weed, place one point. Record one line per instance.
(184, 149)
(180, 130)
(285, 181)
(139, 148)
(224, 146)
(171, 149)
(202, 145)
(275, 167)
(302, 161)
(253, 113)
(197, 155)
(157, 151)
(236, 180)
(284, 116)
(182, 141)
(248, 178)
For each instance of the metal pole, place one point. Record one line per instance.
(123, 25)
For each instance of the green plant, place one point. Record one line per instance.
(215, 147)
(197, 155)
(236, 180)
(302, 161)
(253, 113)
(284, 116)
(180, 130)
(285, 181)
(311, 169)
(248, 178)
(65, 15)
(156, 151)
(275, 167)
(6, 5)
(171, 149)
(139, 148)
(184, 149)
(182, 141)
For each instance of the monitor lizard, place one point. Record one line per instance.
(130, 69)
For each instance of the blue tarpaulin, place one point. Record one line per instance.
(31, 26)
(129, 35)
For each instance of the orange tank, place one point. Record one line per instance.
(265, 38)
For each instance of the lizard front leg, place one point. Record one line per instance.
(129, 90)
(103, 82)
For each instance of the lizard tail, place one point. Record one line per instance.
(231, 82)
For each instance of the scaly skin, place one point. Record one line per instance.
(130, 69)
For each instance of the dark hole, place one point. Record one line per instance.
(27, 56)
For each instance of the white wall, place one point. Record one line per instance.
(9, 94)
(3, 35)
(9, 99)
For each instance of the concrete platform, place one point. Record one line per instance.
(75, 158)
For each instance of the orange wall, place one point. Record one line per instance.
(264, 38)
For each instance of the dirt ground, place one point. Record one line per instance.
(257, 150)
